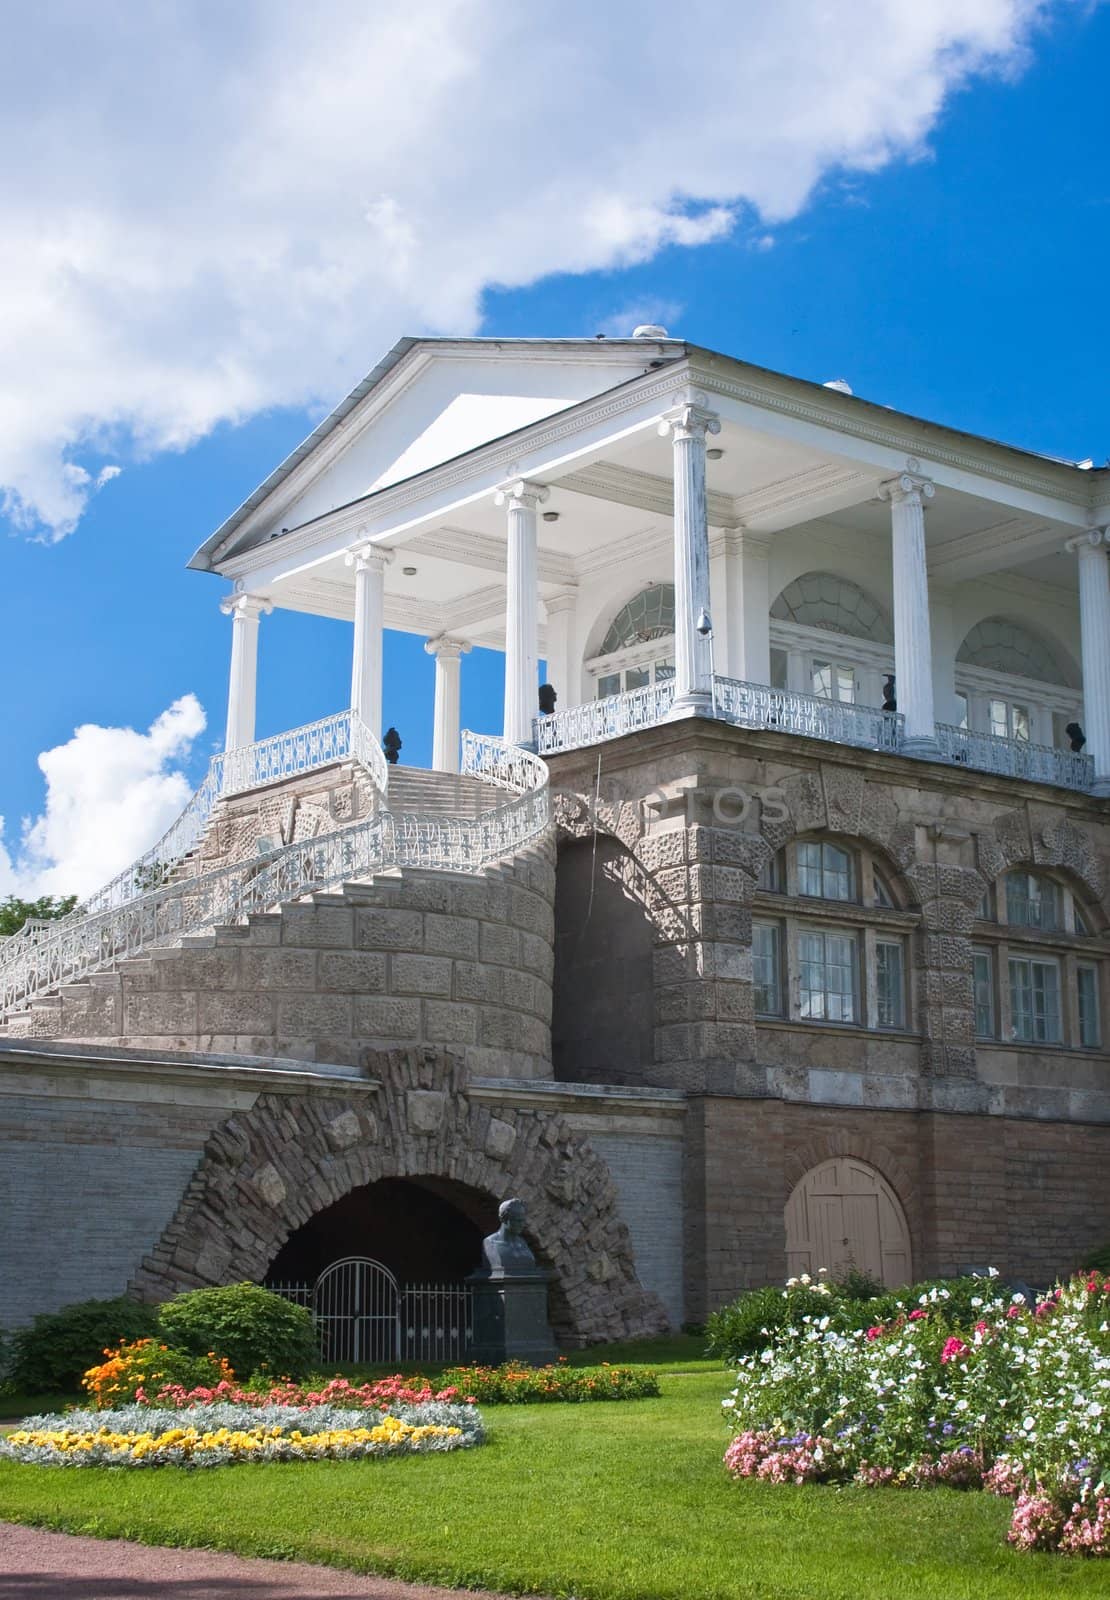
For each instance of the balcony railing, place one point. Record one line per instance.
(609, 718)
(757, 705)
(1014, 758)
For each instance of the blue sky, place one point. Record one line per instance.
(964, 283)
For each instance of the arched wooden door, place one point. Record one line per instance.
(845, 1214)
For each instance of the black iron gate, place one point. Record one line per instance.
(364, 1315)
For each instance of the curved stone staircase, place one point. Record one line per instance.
(444, 935)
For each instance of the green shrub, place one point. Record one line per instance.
(1097, 1260)
(737, 1329)
(51, 1356)
(745, 1324)
(249, 1326)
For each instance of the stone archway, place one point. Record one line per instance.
(265, 1172)
(843, 1213)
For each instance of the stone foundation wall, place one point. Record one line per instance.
(1025, 1196)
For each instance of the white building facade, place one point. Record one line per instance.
(672, 532)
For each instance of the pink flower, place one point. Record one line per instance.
(952, 1349)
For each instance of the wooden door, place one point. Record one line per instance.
(842, 1214)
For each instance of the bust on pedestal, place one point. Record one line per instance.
(510, 1296)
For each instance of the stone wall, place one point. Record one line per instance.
(1025, 1196)
(121, 1168)
(424, 957)
(692, 811)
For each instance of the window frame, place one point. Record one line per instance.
(1091, 970)
(1035, 963)
(984, 953)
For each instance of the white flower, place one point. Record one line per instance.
(1029, 1425)
(1094, 1409)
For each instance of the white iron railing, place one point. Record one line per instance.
(90, 941)
(343, 736)
(756, 705)
(1014, 758)
(609, 718)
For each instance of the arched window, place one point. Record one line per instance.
(1014, 684)
(638, 647)
(1038, 979)
(650, 615)
(815, 958)
(822, 600)
(1003, 646)
(831, 639)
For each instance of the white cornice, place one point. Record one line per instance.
(1004, 544)
(933, 442)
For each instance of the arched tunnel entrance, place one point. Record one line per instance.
(383, 1269)
(423, 1230)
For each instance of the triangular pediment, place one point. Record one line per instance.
(428, 402)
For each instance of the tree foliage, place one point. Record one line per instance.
(15, 912)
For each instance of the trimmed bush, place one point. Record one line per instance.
(1097, 1260)
(51, 1355)
(250, 1327)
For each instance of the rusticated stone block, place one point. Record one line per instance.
(165, 1013)
(451, 936)
(274, 969)
(500, 945)
(426, 1110)
(473, 981)
(386, 1018)
(500, 1139)
(378, 928)
(448, 1022)
(355, 971)
(241, 1012)
(420, 975)
(317, 927)
(315, 1015)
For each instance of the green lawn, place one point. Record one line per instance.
(604, 1502)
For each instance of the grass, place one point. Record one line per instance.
(601, 1502)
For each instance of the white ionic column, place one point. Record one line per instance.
(521, 620)
(564, 672)
(448, 655)
(1094, 626)
(366, 656)
(913, 649)
(244, 611)
(687, 426)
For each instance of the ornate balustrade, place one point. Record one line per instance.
(756, 705)
(91, 940)
(1014, 758)
(608, 718)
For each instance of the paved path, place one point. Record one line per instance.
(36, 1565)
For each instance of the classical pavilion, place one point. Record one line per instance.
(770, 932)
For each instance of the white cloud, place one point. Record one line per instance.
(210, 210)
(110, 794)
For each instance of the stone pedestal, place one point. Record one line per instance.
(510, 1318)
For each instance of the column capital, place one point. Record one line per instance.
(246, 605)
(520, 492)
(908, 488)
(446, 648)
(367, 557)
(689, 421)
(1092, 539)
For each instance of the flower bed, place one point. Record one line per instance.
(218, 1433)
(511, 1384)
(1017, 1403)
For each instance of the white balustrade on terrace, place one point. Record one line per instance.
(1014, 758)
(608, 718)
(90, 941)
(757, 705)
